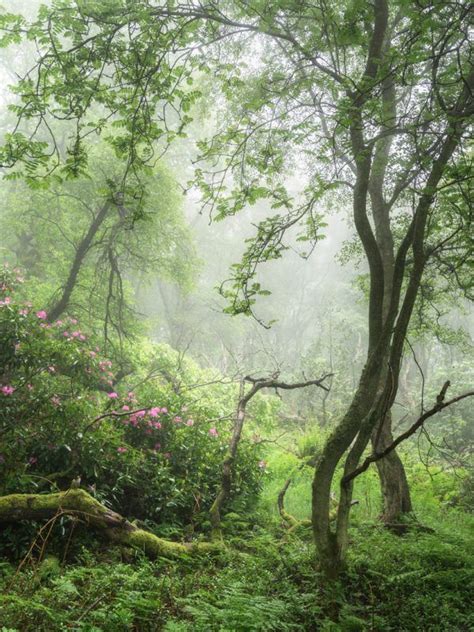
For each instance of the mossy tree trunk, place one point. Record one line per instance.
(80, 504)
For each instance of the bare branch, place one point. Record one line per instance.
(440, 405)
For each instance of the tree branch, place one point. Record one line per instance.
(440, 405)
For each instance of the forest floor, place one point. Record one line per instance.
(264, 579)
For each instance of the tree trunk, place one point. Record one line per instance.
(393, 480)
(78, 503)
(228, 464)
(62, 303)
(227, 470)
(331, 545)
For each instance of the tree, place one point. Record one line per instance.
(230, 457)
(87, 240)
(371, 101)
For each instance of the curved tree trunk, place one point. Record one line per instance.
(78, 503)
(228, 464)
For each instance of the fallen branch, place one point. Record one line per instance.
(80, 504)
(440, 405)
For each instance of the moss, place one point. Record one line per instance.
(37, 506)
(150, 544)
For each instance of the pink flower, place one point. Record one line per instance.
(73, 321)
(164, 411)
(177, 420)
(141, 413)
(7, 390)
(82, 337)
(32, 460)
(23, 312)
(6, 301)
(66, 334)
(154, 412)
(213, 432)
(190, 422)
(167, 455)
(92, 354)
(76, 334)
(121, 450)
(125, 407)
(41, 314)
(29, 387)
(113, 395)
(157, 425)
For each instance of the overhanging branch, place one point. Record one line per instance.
(439, 406)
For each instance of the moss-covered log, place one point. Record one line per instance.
(77, 502)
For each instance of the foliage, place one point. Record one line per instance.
(262, 582)
(318, 106)
(139, 235)
(61, 418)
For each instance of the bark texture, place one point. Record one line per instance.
(393, 480)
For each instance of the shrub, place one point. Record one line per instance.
(150, 453)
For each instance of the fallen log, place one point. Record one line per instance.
(78, 503)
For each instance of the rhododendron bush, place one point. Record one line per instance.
(146, 447)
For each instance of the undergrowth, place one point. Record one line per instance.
(264, 580)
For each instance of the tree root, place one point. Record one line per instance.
(78, 503)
